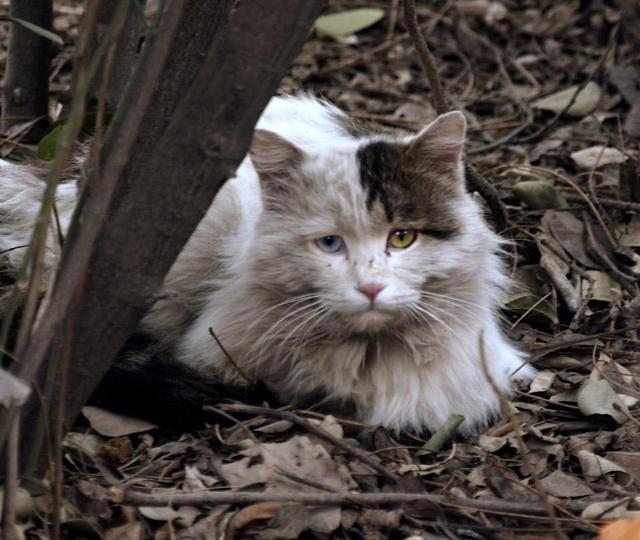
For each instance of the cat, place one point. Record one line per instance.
(340, 263)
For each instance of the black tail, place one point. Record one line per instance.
(147, 382)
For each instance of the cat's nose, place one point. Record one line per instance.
(371, 290)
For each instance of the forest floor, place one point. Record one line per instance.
(567, 457)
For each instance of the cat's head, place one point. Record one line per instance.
(365, 235)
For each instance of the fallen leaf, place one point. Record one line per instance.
(561, 484)
(586, 101)
(111, 424)
(287, 523)
(597, 397)
(569, 231)
(597, 156)
(349, 22)
(630, 461)
(604, 289)
(594, 467)
(270, 463)
(159, 513)
(117, 451)
(603, 510)
(279, 426)
(533, 308)
(621, 529)
(542, 381)
(629, 233)
(539, 194)
(491, 444)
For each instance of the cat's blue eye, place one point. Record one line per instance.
(330, 244)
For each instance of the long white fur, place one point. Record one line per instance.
(405, 368)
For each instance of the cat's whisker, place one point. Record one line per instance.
(273, 336)
(453, 300)
(291, 314)
(428, 313)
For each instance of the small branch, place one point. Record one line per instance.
(317, 431)
(11, 482)
(426, 58)
(228, 356)
(610, 204)
(215, 498)
(475, 181)
(564, 286)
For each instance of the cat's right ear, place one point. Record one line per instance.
(273, 157)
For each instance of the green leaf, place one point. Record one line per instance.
(348, 22)
(47, 147)
(34, 28)
(597, 397)
(533, 308)
(539, 195)
(440, 437)
(586, 101)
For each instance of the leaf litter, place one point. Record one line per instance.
(512, 67)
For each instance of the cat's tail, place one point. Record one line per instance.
(22, 189)
(147, 382)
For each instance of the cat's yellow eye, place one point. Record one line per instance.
(402, 238)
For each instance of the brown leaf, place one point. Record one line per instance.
(561, 484)
(249, 515)
(621, 529)
(114, 425)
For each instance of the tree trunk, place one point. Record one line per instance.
(188, 124)
(125, 53)
(26, 84)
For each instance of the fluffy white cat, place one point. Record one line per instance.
(339, 263)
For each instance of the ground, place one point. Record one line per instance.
(566, 457)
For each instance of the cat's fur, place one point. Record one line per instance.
(290, 314)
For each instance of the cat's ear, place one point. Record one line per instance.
(273, 157)
(443, 139)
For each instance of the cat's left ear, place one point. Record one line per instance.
(273, 157)
(443, 139)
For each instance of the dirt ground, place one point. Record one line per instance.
(567, 457)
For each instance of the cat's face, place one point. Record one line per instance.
(366, 238)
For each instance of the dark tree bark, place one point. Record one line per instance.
(125, 52)
(186, 126)
(26, 84)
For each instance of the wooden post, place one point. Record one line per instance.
(26, 85)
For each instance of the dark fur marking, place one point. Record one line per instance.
(411, 190)
(148, 382)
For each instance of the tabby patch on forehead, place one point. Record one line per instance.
(408, 192)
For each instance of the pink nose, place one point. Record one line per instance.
(371, 290)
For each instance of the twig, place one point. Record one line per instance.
(522, 447)
(11, 482)
(426, 58)
(475, 181)
(228, 356)
(564, 286)
(550, 347)
(612, 204)
(215, 498)
(317, 431)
